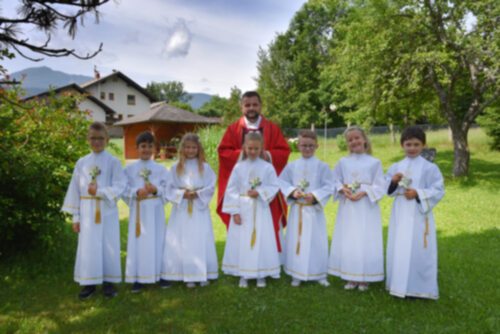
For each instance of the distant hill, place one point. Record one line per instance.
(39, 79)
(199, 99)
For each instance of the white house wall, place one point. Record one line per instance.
(120, 89)
(97, 113)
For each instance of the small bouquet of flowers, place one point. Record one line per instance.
(303, 184)
(405, 182)
(145, 173)
(354, 186)
(94, 172)
(255, 182)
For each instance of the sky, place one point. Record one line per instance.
(208, 45)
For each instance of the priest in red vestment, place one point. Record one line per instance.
(276, 151)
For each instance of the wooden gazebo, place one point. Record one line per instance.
(166, 122)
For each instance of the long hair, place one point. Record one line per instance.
(192, 138)
(251, 136)
(368, 144)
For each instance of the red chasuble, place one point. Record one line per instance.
(229, 151)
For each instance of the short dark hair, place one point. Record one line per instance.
(251, 93)
(98, 126)
(413, 132)
(144, 137)
(308, 134)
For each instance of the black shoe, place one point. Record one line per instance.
(164, 284)
(136, 287)
(86, 292)
(109, 290)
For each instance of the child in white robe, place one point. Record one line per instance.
(306, 184)
(96, 185)
(357, 254)
(417, 186)
(189, 253)
(145, 196)
(251, 248)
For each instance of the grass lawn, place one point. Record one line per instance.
(37, 292)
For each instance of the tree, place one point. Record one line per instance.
(290, 69)
(214, 107)
(46, 16)
(232, 111)
(418, 57)
(170, 91)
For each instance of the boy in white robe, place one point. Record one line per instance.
(357, 253)
(417, 186)
(251, 248)
(306, 184)
(96, 185)
(189, 254)
(145, 196)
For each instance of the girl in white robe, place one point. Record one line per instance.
(189, 253)
(146, 231)
(306, 251)
(251, 250)
(95, 216)
(357, 248)
(411, 244)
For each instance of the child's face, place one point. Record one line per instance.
(190, 150)
(145, 150)
(97, 140)
(356, 142)
(412, 147)
(253, 148)
(307, 147)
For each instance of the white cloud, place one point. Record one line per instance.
(178, 40)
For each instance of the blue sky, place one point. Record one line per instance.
(209, 45)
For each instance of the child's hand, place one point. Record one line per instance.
(297, 194)
(346, 191)
(308, 198)
(410, 194)
(253, 193)
(92, 189)
(151, 188)
(190, 194)
(358, 196)
(237, 219)
(265, 155)
(142, 193)
(76, 227)
(397, 177)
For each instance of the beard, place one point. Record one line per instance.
(252, 115)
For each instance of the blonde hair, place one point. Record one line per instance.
(192, 138)
(368, 144)
(252, 136)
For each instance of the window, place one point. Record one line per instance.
(130, 116)
(103, 96)
(131, 100)
(111, 96)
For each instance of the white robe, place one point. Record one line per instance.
(189, 254)
(411, 252)
(144, 252)
(306, 255)
(357, 248)
(240, 259)
(98, 251)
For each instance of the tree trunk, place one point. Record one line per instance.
(393, 134)
(461, 150)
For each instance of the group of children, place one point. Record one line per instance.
(184, 250)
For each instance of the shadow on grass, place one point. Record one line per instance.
(38, 295)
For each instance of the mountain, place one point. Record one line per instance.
(39, 79)
(198, 99)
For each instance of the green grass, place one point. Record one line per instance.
(38, 294)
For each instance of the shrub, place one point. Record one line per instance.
(210, 137)
(341, 142)
(40, 143)
(490, 122)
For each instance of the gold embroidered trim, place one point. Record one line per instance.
(352, 274)
(248, 270)
(305, 275)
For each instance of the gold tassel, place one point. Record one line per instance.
(138, 218)
(426, 233)
(254, 232)
(297, 251)
(97, 210)
(190, 207)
